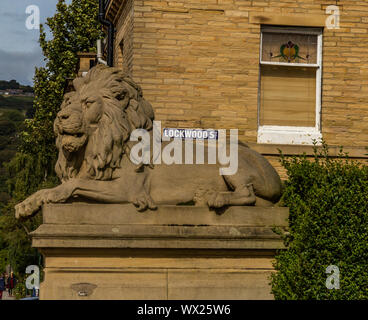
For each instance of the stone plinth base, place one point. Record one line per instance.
(95, 251)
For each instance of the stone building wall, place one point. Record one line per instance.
(198, 64)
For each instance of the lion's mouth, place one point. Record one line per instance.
(75, 135)
(72, 142)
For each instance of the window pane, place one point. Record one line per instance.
(288, 96)
(289, 48)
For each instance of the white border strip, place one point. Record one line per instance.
(288, 135)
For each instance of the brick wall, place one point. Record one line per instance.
(198, 63)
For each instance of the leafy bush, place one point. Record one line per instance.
(20, 291)
(328, 201)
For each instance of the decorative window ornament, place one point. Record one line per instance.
(289, 48)
(289, 52)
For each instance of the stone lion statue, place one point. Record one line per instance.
(93, 131)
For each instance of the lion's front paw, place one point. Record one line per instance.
(33, 203)
(216, 200)
(29, 206)
(143, 202)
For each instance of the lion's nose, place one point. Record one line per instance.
(63, 116)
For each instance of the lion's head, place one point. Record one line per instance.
(95, 122)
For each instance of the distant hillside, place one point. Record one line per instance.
(13, 111)
(20, 103)
(13, 84)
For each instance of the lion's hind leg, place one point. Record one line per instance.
(243, 195)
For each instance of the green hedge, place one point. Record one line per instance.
(328, 201)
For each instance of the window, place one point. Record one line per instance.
(121, 54)
(290, 85)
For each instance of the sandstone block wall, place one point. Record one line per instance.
(198, 62)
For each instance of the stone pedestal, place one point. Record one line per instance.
(107, 251)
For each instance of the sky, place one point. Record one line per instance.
(20, 51)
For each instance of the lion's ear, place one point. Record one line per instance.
(78, 83)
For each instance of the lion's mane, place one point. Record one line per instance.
(124, 109)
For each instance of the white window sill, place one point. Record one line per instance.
(286, 64)
(288, 135)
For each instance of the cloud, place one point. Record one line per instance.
(19, 65)
(15, 17)
(19, 50)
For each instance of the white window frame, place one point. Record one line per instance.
(291, 134)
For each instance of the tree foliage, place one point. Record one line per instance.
(328, 201)
(74, 28)
(12, 84)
